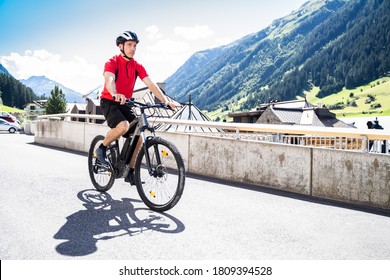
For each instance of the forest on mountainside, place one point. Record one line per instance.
(13, 93)
(360, 54)
(330, 44)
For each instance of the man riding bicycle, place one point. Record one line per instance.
(120, 75)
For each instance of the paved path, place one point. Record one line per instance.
(48, 210)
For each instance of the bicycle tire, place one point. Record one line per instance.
(101, 178)
(163, 189)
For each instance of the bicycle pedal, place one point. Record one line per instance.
(103, 165)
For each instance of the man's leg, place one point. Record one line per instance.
(134, 155)
(116, 132)
(130, 176)
(111, 136)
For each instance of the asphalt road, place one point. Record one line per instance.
(49, 211)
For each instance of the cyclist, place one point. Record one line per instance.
(120, 74)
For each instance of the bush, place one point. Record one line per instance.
(375, 105)
(352, 103)
(337, 106)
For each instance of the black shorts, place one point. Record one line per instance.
(115, 113)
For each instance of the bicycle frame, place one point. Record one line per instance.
(131, 142)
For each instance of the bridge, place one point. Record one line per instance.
(49, 211)
(332, 163)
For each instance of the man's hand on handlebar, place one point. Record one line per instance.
(119, 98)
(171, 105)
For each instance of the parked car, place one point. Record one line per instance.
(9, 118)
(10, 127)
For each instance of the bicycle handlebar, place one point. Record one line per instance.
(132, 102)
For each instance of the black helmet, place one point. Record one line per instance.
(126, 36)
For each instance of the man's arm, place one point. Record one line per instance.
(109, 81)
(157, 92)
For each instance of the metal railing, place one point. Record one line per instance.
(339, 143)
(363, 140)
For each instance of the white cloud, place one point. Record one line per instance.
(153, 32)
(168, 46)
(164, 57)
(76, 73)
(194, 33)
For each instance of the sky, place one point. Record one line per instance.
(69, 41)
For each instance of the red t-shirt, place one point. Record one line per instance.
(127, 72)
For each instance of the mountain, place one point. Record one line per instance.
(12, 92)
(43, 86)
(325, 43)
(4, 71)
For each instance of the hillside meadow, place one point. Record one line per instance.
(363, 101)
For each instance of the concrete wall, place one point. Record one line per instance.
(355, 177)
(352, 176)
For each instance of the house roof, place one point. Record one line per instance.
(306, 115)
(78, 106)
(144, 95)
(96, 102)
(189, 112)
(39, 103)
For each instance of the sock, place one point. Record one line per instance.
(131, 170)
(102, 146)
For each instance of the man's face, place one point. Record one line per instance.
(129, 47)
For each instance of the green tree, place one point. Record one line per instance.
(56, 103)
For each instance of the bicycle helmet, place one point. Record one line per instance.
(126, 36)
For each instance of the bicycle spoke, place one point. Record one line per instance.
(161, 185)
(100, 173)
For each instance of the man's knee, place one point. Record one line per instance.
(123, 127)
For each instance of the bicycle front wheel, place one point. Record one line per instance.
(101, 175)
(161, 184)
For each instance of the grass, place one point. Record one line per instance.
(11, 110)
(378, 89)
(222, 114)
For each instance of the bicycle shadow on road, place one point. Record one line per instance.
(105, 218)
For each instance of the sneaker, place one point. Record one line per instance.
(130, 179)
(101, 155)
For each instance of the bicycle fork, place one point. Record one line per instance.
(153, 171)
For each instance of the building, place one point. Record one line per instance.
(78, 108)
(93, 108)
(300, 112)
(189, 112)
(295, 112)
(36, 107)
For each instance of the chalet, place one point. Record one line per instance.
(295, 112)
(248, 117)
(300, 112)
(36, 107)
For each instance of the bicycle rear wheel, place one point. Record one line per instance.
(162, 186)
(101, 174)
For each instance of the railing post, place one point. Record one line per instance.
(364, 144)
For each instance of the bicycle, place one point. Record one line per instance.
(159, 172)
